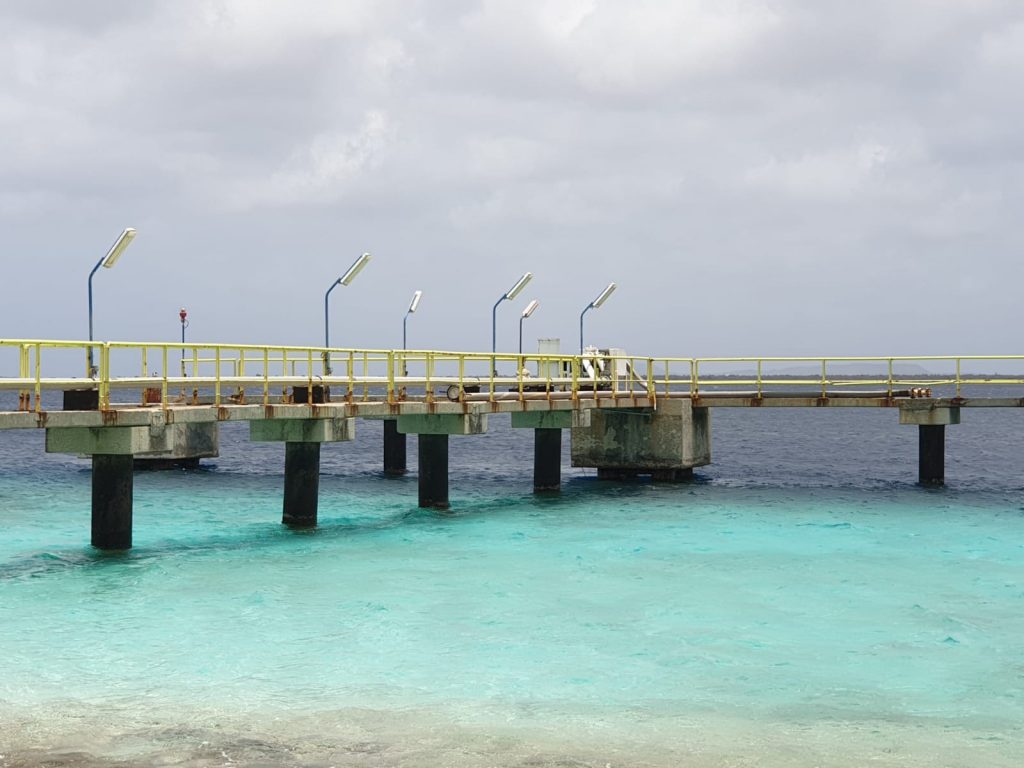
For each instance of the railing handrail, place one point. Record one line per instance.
(589, 374)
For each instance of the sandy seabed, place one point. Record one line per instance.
(73, 735)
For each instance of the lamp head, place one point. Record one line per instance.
(355, 269)
(604, 296)
(530, 308)
(415, 301)
(514, 291)
(118, 247)
(183, 314)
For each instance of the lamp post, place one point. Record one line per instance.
(507, 296)
(412, 308)
(183, 314)
(594, 305)
(109, 260)
(530, 308)
(345, 279)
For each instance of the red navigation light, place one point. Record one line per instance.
(183, 315)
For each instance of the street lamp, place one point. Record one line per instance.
(347, 278)
(508, 296)
(526, 313)
(122, 242)
(412, 308)
(594, 305)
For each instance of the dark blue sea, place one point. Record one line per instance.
(801, 602)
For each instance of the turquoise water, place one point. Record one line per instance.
(800, 603)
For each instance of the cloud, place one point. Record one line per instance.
(741, 153)
(326, 168)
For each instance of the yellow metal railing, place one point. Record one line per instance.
(171, 373)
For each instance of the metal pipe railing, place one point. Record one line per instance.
(410, 373)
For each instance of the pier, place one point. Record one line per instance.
(627, 416)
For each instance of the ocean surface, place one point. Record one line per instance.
(801, 602)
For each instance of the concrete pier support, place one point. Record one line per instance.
(547, 429)
(112, 481)
(394, 449)
(112, 450)
(931, 438)
(547, 460)
(301, 484)
(302, 439)
(433, 430)
(931, 454)
(666, 442)
(433, 471)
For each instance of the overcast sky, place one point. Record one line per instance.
(762, 177)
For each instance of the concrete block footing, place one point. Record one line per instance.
(302, 430)
(550, 419)
(166, 442)
(924, 414)
(674, 436)
(443, 424)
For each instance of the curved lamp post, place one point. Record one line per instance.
(507, 296)
(412, 308)
(346, 279)
(594, 305)
(530, 308)
(109, 260)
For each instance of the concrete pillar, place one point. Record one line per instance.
(547, 460)
(433, 470)
(931, 454)
(433, 430)
(547, 426)
(931, 421)
(301, 484)
(394, 449)
(302, 439)
(112, 501)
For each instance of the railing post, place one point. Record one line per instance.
(216, 381)
(759, 392)
(694, 378)
(105, 377)
(958, 378)
(266, 375)
(309, 376)
(391, 377)
(429, 394)
(824, 385)
(39, 378)
(366, 375)
(163, 385)
(494, 370)
(23, 373)
(890, 382)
